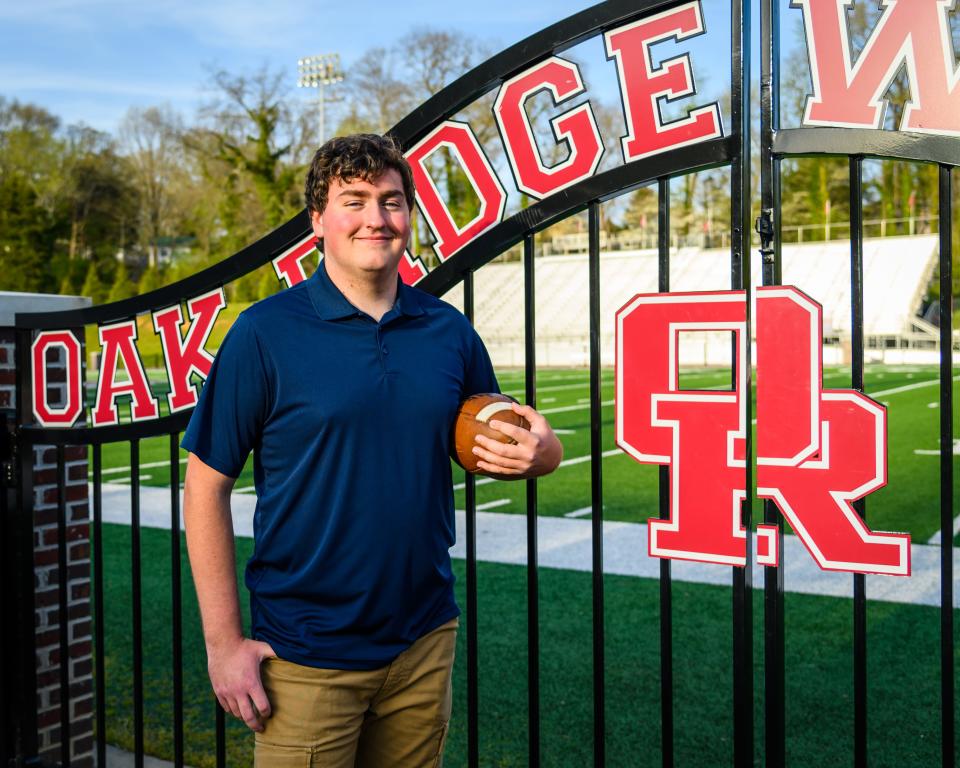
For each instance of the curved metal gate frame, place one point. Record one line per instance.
(733, 151)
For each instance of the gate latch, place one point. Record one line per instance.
(764, 227)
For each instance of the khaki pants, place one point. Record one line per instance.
(394, 717)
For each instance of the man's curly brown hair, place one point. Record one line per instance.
(363, 156)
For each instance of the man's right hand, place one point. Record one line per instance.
(234, 669)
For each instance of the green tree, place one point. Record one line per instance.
(93, 285)
(150, 280)
(123, 287)
(30, 212)
(268, 284)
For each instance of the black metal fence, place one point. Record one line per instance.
(733, 151)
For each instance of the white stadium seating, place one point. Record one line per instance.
(897, 271)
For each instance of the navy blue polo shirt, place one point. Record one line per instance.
(349, 423)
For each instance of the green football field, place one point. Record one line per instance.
(909, 503)
(903, 656)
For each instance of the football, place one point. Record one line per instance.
(473, 419)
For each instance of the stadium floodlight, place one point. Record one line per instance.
(317, 72)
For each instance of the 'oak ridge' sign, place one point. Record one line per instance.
(818, 450)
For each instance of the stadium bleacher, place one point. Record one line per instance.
(897, 271)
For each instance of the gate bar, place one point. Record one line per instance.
(596, 490)
(221, 736)
(947, 706)
(666, 583)
(859, 581)
(63, 581)
(176, 601)
(98, 607)
(470, 494)
(26, 664)
(740, 228)
(770, 240)
(533, 581)
(137, 603)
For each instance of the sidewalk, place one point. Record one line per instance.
(566, 543)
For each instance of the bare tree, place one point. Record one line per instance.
(377, 89)
(151, 140)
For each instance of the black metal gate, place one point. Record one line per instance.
(732, 151)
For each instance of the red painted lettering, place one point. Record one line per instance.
(577, 128)
(117, 341)
(184, 356)
(460, 141)
(66, 414)
(642, 85)
(914, 34)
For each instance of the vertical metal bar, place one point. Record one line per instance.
(596, 491)
(473, 671)
(63, 583)
(947, 702)
(743, 735)
(666, 581)
(8, 639)
(533, 583)
(769, 228)
(137, 588)
(176, 595)
(98, 612)
(220, 735)
(26, 665)
(859, 581)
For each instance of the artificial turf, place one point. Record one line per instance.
(903, 661)
(903, 655)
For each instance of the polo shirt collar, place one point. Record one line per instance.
(331, 304)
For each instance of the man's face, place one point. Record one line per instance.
(365, 225)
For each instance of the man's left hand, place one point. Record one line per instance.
(537, 450)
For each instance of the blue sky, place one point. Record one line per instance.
(89, 60)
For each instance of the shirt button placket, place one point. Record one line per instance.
(382, 350)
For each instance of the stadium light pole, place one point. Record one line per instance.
(317, 72)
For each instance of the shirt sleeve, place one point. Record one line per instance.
(479, 374)
(234, 403)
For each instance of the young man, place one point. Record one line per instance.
(345, 387)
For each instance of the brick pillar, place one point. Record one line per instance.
(39, 463)
(49, 624)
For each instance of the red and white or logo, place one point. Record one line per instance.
(118, 342)
(848, 87)
(461, 143)
(642, 85)
(576, 127)
(66, 414)
(184, 356)
(818, 450)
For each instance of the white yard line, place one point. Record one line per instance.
(128, 479)
(564, 463)
(907, 387)
(582, 512)
(148, 465)
(557, 388)
(494, 504)
(566, 408)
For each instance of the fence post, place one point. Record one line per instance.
(31, 538)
